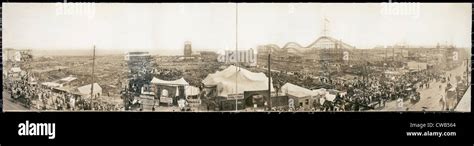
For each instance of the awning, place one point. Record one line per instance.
(179, 82)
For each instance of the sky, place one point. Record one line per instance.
(363, 25)
(120, 27)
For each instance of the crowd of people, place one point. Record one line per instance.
(40, 97)
(362, 93)
(372, 90)
(193, 76)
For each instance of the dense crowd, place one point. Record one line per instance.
(355, 94)
(193, 76)
(359, 93)
(40, 97)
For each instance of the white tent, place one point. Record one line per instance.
(234, 80)
(296, 91)
(178, 82)
(86, 90)
(464, 104)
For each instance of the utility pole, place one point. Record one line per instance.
(364, 77)
(237, 58)
(92, 81)
(269, 82)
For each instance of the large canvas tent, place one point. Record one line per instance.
(236, 80)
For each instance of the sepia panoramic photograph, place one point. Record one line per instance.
(236, 57)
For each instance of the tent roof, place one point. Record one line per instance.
(230, 72)
(227, 80)
(178, 82)
(296, 90)
(87, 89)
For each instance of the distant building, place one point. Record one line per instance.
(187, 49)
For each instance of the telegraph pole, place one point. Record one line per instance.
(92, 81)
(237, 58)
(269, 81)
